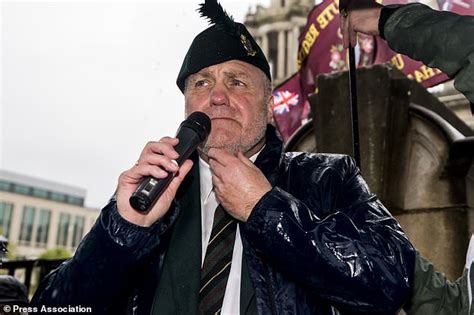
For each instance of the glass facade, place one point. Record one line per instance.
(27, 223)
(21, 189)
(6, 212)
(75, 200)
(40, 193)
(78, 230)
(42, 229)
(58, 197)
(5, 186)
(63, 229)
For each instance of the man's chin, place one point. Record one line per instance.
(222, 136)
(231, 148)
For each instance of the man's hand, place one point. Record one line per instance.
(238, 183)
(358, 16)
(154, 159)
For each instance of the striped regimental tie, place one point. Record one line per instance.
(216, 267)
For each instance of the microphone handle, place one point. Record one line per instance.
(150, 189)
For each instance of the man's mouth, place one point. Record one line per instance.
(226, 118)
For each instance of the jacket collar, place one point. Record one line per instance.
(269, 159)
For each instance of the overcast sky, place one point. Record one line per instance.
(84, 85)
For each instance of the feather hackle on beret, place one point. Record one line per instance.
(213, 11)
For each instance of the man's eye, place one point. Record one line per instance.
(201, 83)
(236, 82)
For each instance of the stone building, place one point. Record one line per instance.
(276, 29)
(37, 214)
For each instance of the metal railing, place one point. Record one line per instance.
(45, 266)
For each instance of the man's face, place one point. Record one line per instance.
(233, 95)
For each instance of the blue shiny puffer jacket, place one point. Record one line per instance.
(319, 239)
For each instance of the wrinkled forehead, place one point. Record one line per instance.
(232, 68)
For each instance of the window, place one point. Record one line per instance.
(5, 186)
(43, 226)
(40, 193)
(63, 229)
(27, 223)
(58, 197)
(78, 230)
(21, 189)
(75, 200)
(6, 210)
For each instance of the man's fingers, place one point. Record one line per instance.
(136, 173)
(216, 183)
(215, 167)
(221, 156)
(165, 146)
(183, 171)
(159, 160)
(245, 159)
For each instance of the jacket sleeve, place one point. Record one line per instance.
(439, 39)
(332, 235)
(432, 293)
(104, 264)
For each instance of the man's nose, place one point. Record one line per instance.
(219, 95)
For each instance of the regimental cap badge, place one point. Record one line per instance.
(247, 45)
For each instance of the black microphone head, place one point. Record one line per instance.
(199, 122)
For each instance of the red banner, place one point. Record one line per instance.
(320, 51)
(290, 105)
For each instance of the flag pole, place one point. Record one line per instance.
(353, 103)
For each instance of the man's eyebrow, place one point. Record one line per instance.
(201, 74)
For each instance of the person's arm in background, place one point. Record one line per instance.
(439, 39)
(432, 293)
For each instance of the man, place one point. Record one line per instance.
(441, 40)
(304, 234)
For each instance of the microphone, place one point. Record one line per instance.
(191, 133)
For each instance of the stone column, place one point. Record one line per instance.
(290, 53)
(35, 226)
(70, 231)
(53, 229)
(264, 43)
(294, 51)
(281, 55)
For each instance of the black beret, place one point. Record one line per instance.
(220, 43)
